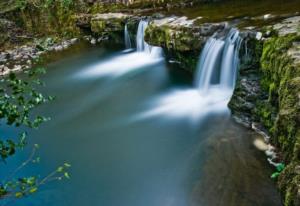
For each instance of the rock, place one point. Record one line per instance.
(74, 40)
(181, 38)
(93, 41)
(109, 22)
(17, 68)
(58, 48)
(179, 33)
(260, 144)
(258, 35)
(297, 169)
(288, 26)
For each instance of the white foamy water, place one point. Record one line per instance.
(119, 65)
(126, 61)
(219, 63)
(187, 103)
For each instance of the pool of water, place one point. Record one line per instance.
(124, 154)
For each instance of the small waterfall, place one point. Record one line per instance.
(216, 74)
(219, 61)
(142, 46)
(127, 38)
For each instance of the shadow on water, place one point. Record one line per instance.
(160, 161)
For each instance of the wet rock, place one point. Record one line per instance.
(22, 57)
(179, 33)
(17, 68)
(93, 41)
(108, 22)
(58, 48)
(288, 26)
(181, 38)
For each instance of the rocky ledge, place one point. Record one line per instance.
(110, 22)
(181, 38)
(24, 57)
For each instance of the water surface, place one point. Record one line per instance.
(122, 157)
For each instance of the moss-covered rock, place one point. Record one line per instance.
(277, 103)
(181, 38)
(109, 22)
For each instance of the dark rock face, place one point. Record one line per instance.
(248, 90)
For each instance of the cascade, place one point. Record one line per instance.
(142, 46)
(127, 38)
(219, 61)
(214, 83)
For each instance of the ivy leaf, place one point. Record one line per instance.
(275, 175)
(280, 167)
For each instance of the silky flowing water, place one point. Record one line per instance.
(137, 134)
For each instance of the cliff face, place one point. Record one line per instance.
(268, 92)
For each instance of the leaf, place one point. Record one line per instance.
(280, 167)
(67, 175)
(33, 190)
(275, 175)
(19, 195)
(60, 169)
(67, 165)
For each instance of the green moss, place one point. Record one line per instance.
(179, 43)
(100, 7)
(280, 110)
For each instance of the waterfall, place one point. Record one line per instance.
(214, 84)
(127, 38)
(142, 46)
(127, 60)
(218, 62)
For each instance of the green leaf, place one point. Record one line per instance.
(66, 174)
(280, 167)
(18, 194)
(275, 175)
(33, 190)
(60, 169)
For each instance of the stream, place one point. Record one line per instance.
(138, 133)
